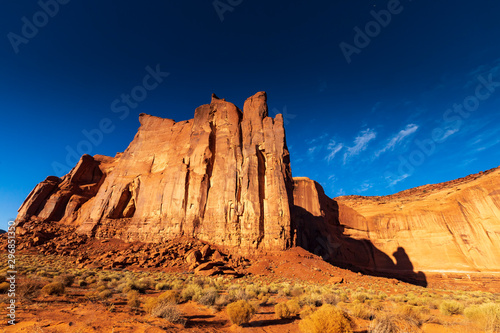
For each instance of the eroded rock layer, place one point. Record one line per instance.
(452, 226)
(223, 177)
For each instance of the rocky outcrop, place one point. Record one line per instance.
(223, 177)
(453, 226)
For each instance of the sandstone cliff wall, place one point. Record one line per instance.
(223, 177)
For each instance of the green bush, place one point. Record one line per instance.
(240, 312)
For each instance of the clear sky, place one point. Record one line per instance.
(377, 96)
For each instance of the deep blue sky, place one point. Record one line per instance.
(358, 128)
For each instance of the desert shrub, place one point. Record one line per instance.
(208, 296)
(330, 298)
(145, 284)
(281, 311)
(486, 316)
(382, 295)
(133, 299)
(263, 299)
(191, 292)
(297, 291)
(327, 319)
(395, 323)
(307, 310)
(236, 292)
(102, 287)
(240, 312)
(411, 312)
(66, 279)
(285, 290)
(362, 311)
(54, 288)
(287, 310)
(168, 311)
(105, 294)
(313, 299)
(252, 291)
(4, 287)
(293, 306)
(449, 308)
(223, 300)
(150, 304)
(131, 284)
(360, 297)
(162, 286)
(171, 296)
(29, 289)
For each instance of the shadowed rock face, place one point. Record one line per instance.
(451, 226)
(222, 177)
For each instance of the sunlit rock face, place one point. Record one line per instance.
(223, 177)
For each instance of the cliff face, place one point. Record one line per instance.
(223, 177)
(453, 226)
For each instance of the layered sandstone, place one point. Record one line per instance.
(223, 177)
(453, 226)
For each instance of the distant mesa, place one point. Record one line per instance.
(224, 177)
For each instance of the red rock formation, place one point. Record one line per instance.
(223, 177)
(453, 226)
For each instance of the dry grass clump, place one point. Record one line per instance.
(208, 296)
(29, 289)
(240, 312)
(486, 316)
(395, 323)
(133, 299)
(362, 311)
(66, 279)
(168, 311)
(281, 311)
(287, 309)
(450, 308)
(327, 319)
(191, 292)
(54, 288)
(171, 296)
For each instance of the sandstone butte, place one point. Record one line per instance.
(224, 177)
